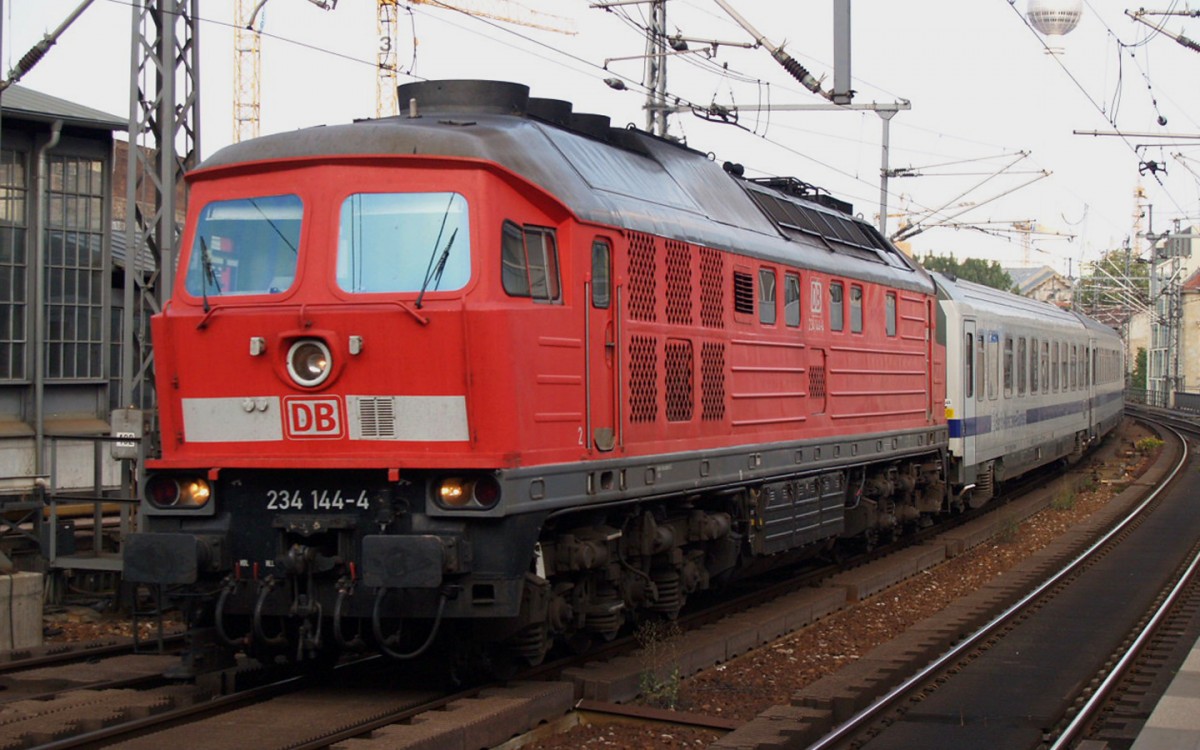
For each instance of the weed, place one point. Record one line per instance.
(660, 678)
(1148, 445)
(1064, 500)
(1007, 532)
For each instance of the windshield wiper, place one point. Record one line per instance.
(432, 271)
(435, 274)
(209, 274)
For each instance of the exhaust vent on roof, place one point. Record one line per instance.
(454, 97)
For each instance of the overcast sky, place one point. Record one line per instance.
(981, 85)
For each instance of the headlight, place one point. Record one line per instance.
(481, 493)
(180, 493)
(309, 362)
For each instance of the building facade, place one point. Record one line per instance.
(57, 337)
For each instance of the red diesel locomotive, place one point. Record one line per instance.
(494, 373)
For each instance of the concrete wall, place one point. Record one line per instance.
(20, 610)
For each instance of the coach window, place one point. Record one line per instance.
(1045, 363)
(766, 296)
(969, 365)
(980, 367)
(1022, 366)
(890, 312)
(1064, 363)
(836, 312)
(1008, 366)
(403, 242)
(529, 262)
(1074, 367)
(1054, 363)
(791, 300)
(1033, 365)
(993, 360)
(856, 302)
(601, 273)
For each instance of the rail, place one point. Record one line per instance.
(873, 712)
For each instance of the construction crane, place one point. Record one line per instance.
(247, 48)
(247, 71)
(247, 65)
(506, 11)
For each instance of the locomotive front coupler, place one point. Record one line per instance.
(302, 559)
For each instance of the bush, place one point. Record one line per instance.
(1148, 445)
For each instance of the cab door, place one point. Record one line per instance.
(601, 347)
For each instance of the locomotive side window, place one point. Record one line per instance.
(856, 304)
(1008, 366)
(245, 246)
(529, 262)
(766, 296)
(601, 273)
(836, 312)
(890, 314)
(403, 242)
(791, 300)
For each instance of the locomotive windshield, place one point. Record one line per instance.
(403, 242)
(245, 246)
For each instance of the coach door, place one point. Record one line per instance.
(601, 334)
(972, 372)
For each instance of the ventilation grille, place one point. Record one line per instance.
(712, 289)
(816, 382)
(743, 292)
(679, 283)
(377, 417)
(643, 389)
(712, 382)
(642, 293)
(680, 380)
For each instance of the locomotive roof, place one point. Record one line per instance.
(617, 177)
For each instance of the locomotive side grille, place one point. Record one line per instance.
(643, 388)
(816, 382)
(680, 380)
(712, 288)
(743, 292)
(679, 283)
(712, 382)
(642, 292)
(377, 417)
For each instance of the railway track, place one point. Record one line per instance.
(1038, 673)
(354, 707)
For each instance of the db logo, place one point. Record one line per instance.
(309, 418)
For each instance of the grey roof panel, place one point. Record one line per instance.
(24, 103)
(637, 181)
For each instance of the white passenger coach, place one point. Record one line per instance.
(1028, 383)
